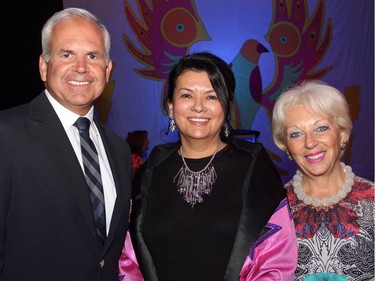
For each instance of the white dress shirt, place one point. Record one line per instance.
(68, 118)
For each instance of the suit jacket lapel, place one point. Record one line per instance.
(120, 198)
(251, 228)
(53, 139)
(252, 221)
(247, 233)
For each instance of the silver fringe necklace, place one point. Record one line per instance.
(193, 185)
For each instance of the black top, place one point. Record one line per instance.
(212, 240)
(194, 243)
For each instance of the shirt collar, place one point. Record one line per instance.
(66, 116)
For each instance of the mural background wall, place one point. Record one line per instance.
(334, 41)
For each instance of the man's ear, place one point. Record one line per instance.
(108, 70)
(43, 69)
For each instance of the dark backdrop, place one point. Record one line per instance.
(22, 26)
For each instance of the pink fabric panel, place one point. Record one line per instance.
(128, 265)
(274, 257)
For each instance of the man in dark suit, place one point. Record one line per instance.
(47, 227)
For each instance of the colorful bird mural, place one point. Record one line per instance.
(165, 29)
(298, 43)
(248, 93)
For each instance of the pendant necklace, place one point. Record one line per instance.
(193, 185)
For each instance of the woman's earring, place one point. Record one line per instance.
(226, 129)
(172, 125)
(343, 145)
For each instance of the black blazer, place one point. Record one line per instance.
(47, 229)
(266, 188)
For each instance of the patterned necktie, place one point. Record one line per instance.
(93, 177)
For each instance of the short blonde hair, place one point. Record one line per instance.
(317, 96)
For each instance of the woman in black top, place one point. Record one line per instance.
(207, 207)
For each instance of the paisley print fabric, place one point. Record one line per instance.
(336, 242)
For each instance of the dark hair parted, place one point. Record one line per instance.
(219, 73)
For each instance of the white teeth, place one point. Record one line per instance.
(199, 119)
(78, 82)
(316, 156)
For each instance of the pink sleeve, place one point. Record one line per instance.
(274, 255)
(128, 265)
